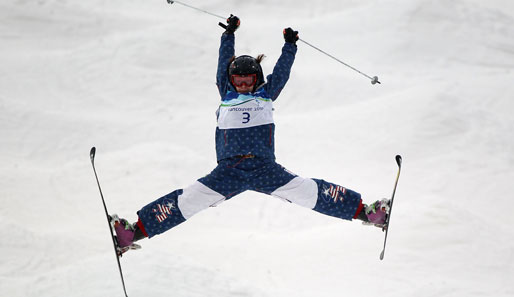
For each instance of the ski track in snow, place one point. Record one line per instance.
(137, 80)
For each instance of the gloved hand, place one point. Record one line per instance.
(290, 35)
(233, 23)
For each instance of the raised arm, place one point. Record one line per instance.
(226, 52)
(278, 78)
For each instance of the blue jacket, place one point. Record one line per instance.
(256, 140)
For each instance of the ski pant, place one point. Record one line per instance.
(238, 174)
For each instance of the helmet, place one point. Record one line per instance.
(245, 65)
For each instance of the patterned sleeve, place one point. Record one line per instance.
(277, 80)
(225, 53)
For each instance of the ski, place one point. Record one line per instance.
(388, 219)
(110, 221)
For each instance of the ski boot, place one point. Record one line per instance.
(126, 234)
(376, 214)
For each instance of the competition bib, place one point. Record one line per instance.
(245, 111)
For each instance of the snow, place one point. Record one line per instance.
(137, 80)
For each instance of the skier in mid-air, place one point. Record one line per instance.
(245, 152)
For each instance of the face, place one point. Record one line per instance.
(244, 83)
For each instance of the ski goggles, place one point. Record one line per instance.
(243, 80)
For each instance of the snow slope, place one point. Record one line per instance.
(137, 80)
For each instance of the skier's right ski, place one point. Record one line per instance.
(388, 219)
(110, 221)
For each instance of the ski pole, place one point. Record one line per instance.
(199, 9)
(374, 79)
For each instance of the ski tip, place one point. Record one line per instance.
(382, 255)
(399, 160)
(92, 153)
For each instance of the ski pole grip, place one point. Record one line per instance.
(222, 25)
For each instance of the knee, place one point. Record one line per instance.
(301, 191)
(197, 197)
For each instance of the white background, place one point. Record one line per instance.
(136, 79)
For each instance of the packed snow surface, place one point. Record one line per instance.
(136, 79)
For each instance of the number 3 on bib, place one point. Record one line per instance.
(237, 114)
(246, 117)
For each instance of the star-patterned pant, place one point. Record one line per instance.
(235, 175)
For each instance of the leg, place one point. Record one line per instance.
(337, 201)
(332, 200)
(321, 196)
(316, 194)
(175, 208)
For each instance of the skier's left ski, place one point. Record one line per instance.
(388, 219)
(109, 219)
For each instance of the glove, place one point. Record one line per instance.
(290, 35)
(233, 23)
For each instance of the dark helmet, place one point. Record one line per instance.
(244, 65)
